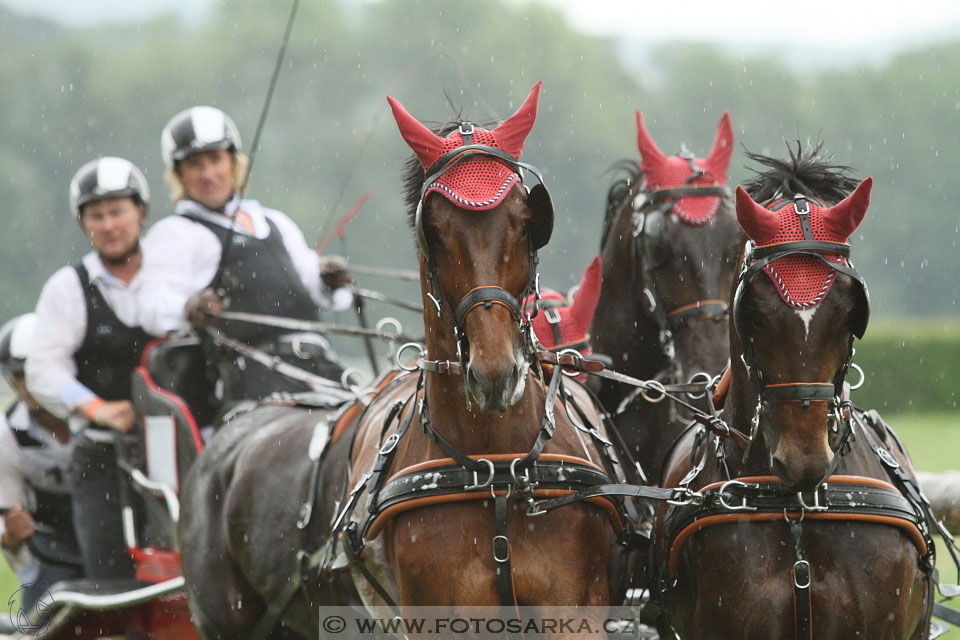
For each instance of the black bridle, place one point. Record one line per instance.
(539, 232)
(650, 208)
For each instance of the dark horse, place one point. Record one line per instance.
(803, 518)
(424, 492)
(669, 252)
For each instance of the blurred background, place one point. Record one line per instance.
(880, 89)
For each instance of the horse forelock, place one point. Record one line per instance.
(808, 171)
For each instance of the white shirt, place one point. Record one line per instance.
(183, 257)
(51, 371)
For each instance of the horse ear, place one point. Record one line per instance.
(759, 224)
(719, 159)
(512, 132)
(425, 143)
(843, 218)
(588, 294)
(650, 154)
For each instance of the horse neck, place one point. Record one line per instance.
(623, 331)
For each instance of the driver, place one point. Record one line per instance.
(88, 341)
(220, 252)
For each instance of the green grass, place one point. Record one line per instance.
(933, 440)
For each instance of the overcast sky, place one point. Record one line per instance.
(860, 29)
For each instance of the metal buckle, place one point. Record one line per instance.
(806, 565)
(466, 128)
(552, 315)
(390, 444)
(476, 480)
(506, 545)
(689, 497)
(887, 458)
(800, 204)
(816, 501)
(523, 482)
(534, 509)
(743, 506)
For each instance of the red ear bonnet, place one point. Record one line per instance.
(803, 281)
(478, 182)
(572, 331)
(665, 172)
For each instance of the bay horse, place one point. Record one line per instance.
(421, 496)
(669, 249)
(804, 519)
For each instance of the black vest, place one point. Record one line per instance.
(259, 277)
(110, 350)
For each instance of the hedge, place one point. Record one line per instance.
(910, 365)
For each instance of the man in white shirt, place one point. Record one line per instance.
(34, 489)
(219, 251)
(88, 340)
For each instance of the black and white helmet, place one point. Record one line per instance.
(16, 337)
(107, 177)
(197, 129)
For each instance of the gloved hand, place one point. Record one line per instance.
(199, 306)
(334, 272)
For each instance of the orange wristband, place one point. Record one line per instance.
(93, 406)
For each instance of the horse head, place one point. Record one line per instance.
(675, 247)
(685, 247)
(478, 228)
(794, 325)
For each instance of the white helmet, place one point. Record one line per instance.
(16, 337)
(107, 177)
(197, 129)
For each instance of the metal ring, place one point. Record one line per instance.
(298, 351)
(700, 375)
(743, 506)
(658, 386)
(389, 321)
(476, 481)
(795, 574)
(420, 354)
(348, 373)
(573, 373)
(863, 377)
(513, 474)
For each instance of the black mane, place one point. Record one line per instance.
(619, 192)
(807, 171)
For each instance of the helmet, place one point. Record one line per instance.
(107, 177)
(16, 336)
(197, 129)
